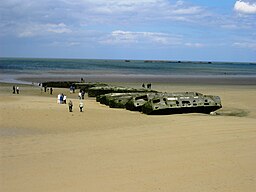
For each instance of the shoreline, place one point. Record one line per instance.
(123, 78)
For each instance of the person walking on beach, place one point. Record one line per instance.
(58, 98)
(61, 98)
(64, 99)
(13, 89)
(51, 90)
(81, 106)
(82, 92)
(17, 90)
(70, 106)
(80, 95)
(73, 89)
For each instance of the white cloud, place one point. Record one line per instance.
(28, 18)
(230, 26)
(89, 21)
(66, 43)
(194, 45)
(188, 10)
(57, 28)
(31, 30)
(77, 13)
(245, 7)
(128, 37)
(250, 45)
(113, 7)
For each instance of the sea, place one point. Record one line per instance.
(13, 69)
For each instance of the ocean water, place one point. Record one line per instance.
(20, 65)
(11, 67)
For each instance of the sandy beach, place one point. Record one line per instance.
(44, 147)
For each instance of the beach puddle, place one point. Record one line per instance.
(233, 112)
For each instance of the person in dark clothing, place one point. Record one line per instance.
(51, 90)
(13, 89)
(83, 94)
(70, 106)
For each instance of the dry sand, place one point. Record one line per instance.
(46, 148)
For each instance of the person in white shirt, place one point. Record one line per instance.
(81, 106)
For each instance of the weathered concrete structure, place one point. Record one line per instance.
(163, 103)
(59, 84)
(136, 102)
(86, 86)
(101, 90)
(187, 102)
(107, 98)
(146, 100)
(117, 100)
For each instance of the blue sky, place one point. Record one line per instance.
(129, 29)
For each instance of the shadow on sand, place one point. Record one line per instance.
(233, 112)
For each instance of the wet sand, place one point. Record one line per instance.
(171, 80)
(43, 147)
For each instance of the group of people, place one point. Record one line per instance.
(62, 99)
(70, 106)
(81, 94)
(15, 89)
(148, 86)
(80, 97)
(72, 89)
(50, 90)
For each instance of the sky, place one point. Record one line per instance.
(196, 30)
